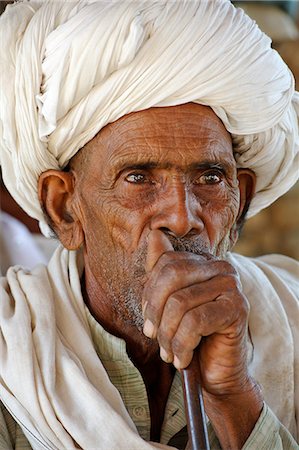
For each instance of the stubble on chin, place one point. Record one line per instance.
(126, 291)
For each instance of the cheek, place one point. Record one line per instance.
(220, 213)
(121, 222)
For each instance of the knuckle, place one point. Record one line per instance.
(226, 267)
(152, 312)
(241, 311)
(177, 346)
(190, 330)
(239, 328)
(164, 337)
(177, 301)
(232, 282)
(168, 270)
(244, 307)
(165, 259)
(190, 323)
(184, 342)
(171, 264)
(227, 321)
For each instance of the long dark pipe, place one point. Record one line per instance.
(194, 406)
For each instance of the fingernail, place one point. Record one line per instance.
(176, 362)
(148, 328)
(144, 307)
(164, 355)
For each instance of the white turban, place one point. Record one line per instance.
(68, 68)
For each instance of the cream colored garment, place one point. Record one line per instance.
(52, 380)
(69, 68)
(271, 285)
(53, 383)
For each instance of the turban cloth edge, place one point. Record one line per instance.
(70, 68)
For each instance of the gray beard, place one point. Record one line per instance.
(126, 300)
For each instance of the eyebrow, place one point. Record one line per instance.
(149, 165)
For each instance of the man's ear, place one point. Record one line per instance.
(247, 182)
(56, 195)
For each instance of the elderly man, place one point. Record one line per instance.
(142, 133)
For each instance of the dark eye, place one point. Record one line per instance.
(214, 177)
(135, 178)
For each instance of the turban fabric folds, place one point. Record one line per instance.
(69, 68)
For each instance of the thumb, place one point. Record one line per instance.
(158, 243)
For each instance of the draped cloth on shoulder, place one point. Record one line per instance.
(51, 379)
(69, 68)
(55, 386)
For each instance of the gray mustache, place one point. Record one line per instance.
(188, 244)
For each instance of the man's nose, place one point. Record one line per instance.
(178, 212)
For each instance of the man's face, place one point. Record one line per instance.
(164, 168)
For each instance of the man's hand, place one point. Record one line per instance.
(191, 299)
(188, 297)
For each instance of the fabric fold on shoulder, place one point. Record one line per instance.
(65, 399)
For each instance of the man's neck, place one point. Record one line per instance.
(141, 349)
(144, 352)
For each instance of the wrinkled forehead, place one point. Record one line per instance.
(186, 133)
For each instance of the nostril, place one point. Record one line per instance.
(165, 230)
(169, 232)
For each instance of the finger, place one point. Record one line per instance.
(182, 301)
(223, 316)
(175, 308)
(156, 293)
(158, 243)
(171, 275)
